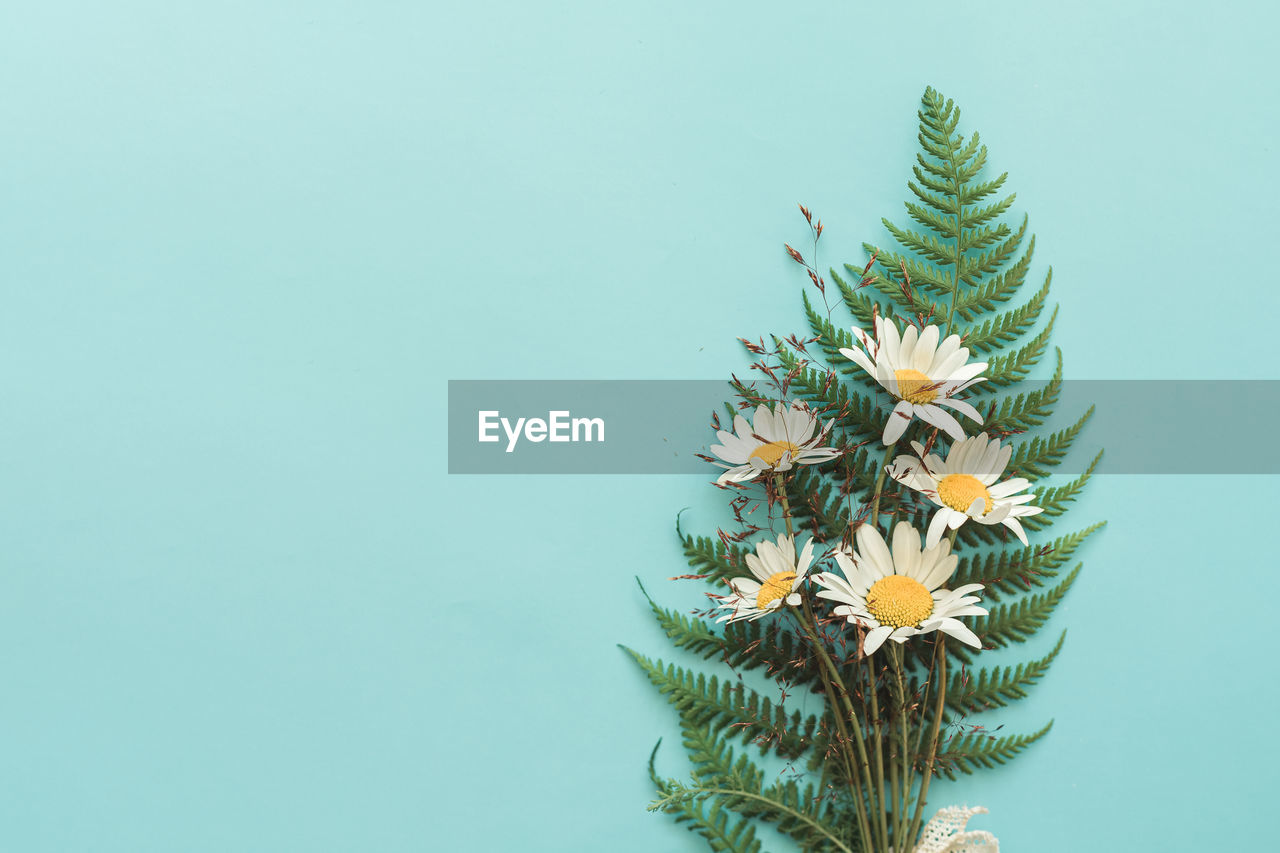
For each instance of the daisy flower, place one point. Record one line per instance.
(899, 595)
(774, 442)
(964, 485)
(776, 573)
(922, 374)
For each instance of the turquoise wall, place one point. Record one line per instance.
(244, 245)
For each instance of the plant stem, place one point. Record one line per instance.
(842, 731)
(933, 745)
(875, 494)
(955, 291)
(899, 668)
(828, 672)
(780, 485)
(874, 689)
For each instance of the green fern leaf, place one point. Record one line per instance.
(998, 686)
(707, 700)
(1017, 621)
(1017, 570)
(967, 753)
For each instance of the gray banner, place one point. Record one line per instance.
(657, 426)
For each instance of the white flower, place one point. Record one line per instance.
(921, 374)
(774, 442)
(964, 485)
(776, 576)
(900, 595)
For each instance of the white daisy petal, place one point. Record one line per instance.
(907, 348)
(897, 423)
(936, 527)
(963, 408)
(926, 349)
(872, 548)
(957, 629)
(906, 550)
(936, 416)
(1016, 526)
(875, 639)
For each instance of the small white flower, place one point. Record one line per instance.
(774, 442)
(964, 486)
(899, 595)
(777, 574)
(922, 374)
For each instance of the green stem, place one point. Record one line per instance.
(780, 485)
(925, 695)
(899, 669)
(933, 745)
(955, 290)
(875, 494)
(874, 690)
(842, 731)
(808, 624)
(859, 741)
(955, 293)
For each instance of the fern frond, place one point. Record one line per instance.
(712, 557)
(1014, 571)
(947, 226)
(744, 646)
(975, 267)
(967, 753)
(1017, 621)
(1016, 413)
(738, 785)
(1007, 369)
(1054, 500)
(724, 832)
(860, 305)
(925, 245)
(1033, 459)
(708, 701)
(1009, 325)
(924, 277)
(977, 217)
(997, 686)
(997, 290)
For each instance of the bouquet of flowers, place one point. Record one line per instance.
(884, 485)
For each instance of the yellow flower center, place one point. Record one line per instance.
(959, 491)
(770, 453)
(915, 387)
(777, 586)
(899, 601)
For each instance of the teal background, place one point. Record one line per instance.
(244, 245)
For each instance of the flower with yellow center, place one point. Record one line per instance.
(964, 485)
(915, 387)
(921, 373)
(899, 594)
(899, 601)
(771, 454)
(961, 491)
(778, 438)
(775, 575)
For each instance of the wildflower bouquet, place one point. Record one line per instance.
(884, 485)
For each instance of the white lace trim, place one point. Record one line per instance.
(945, 833)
